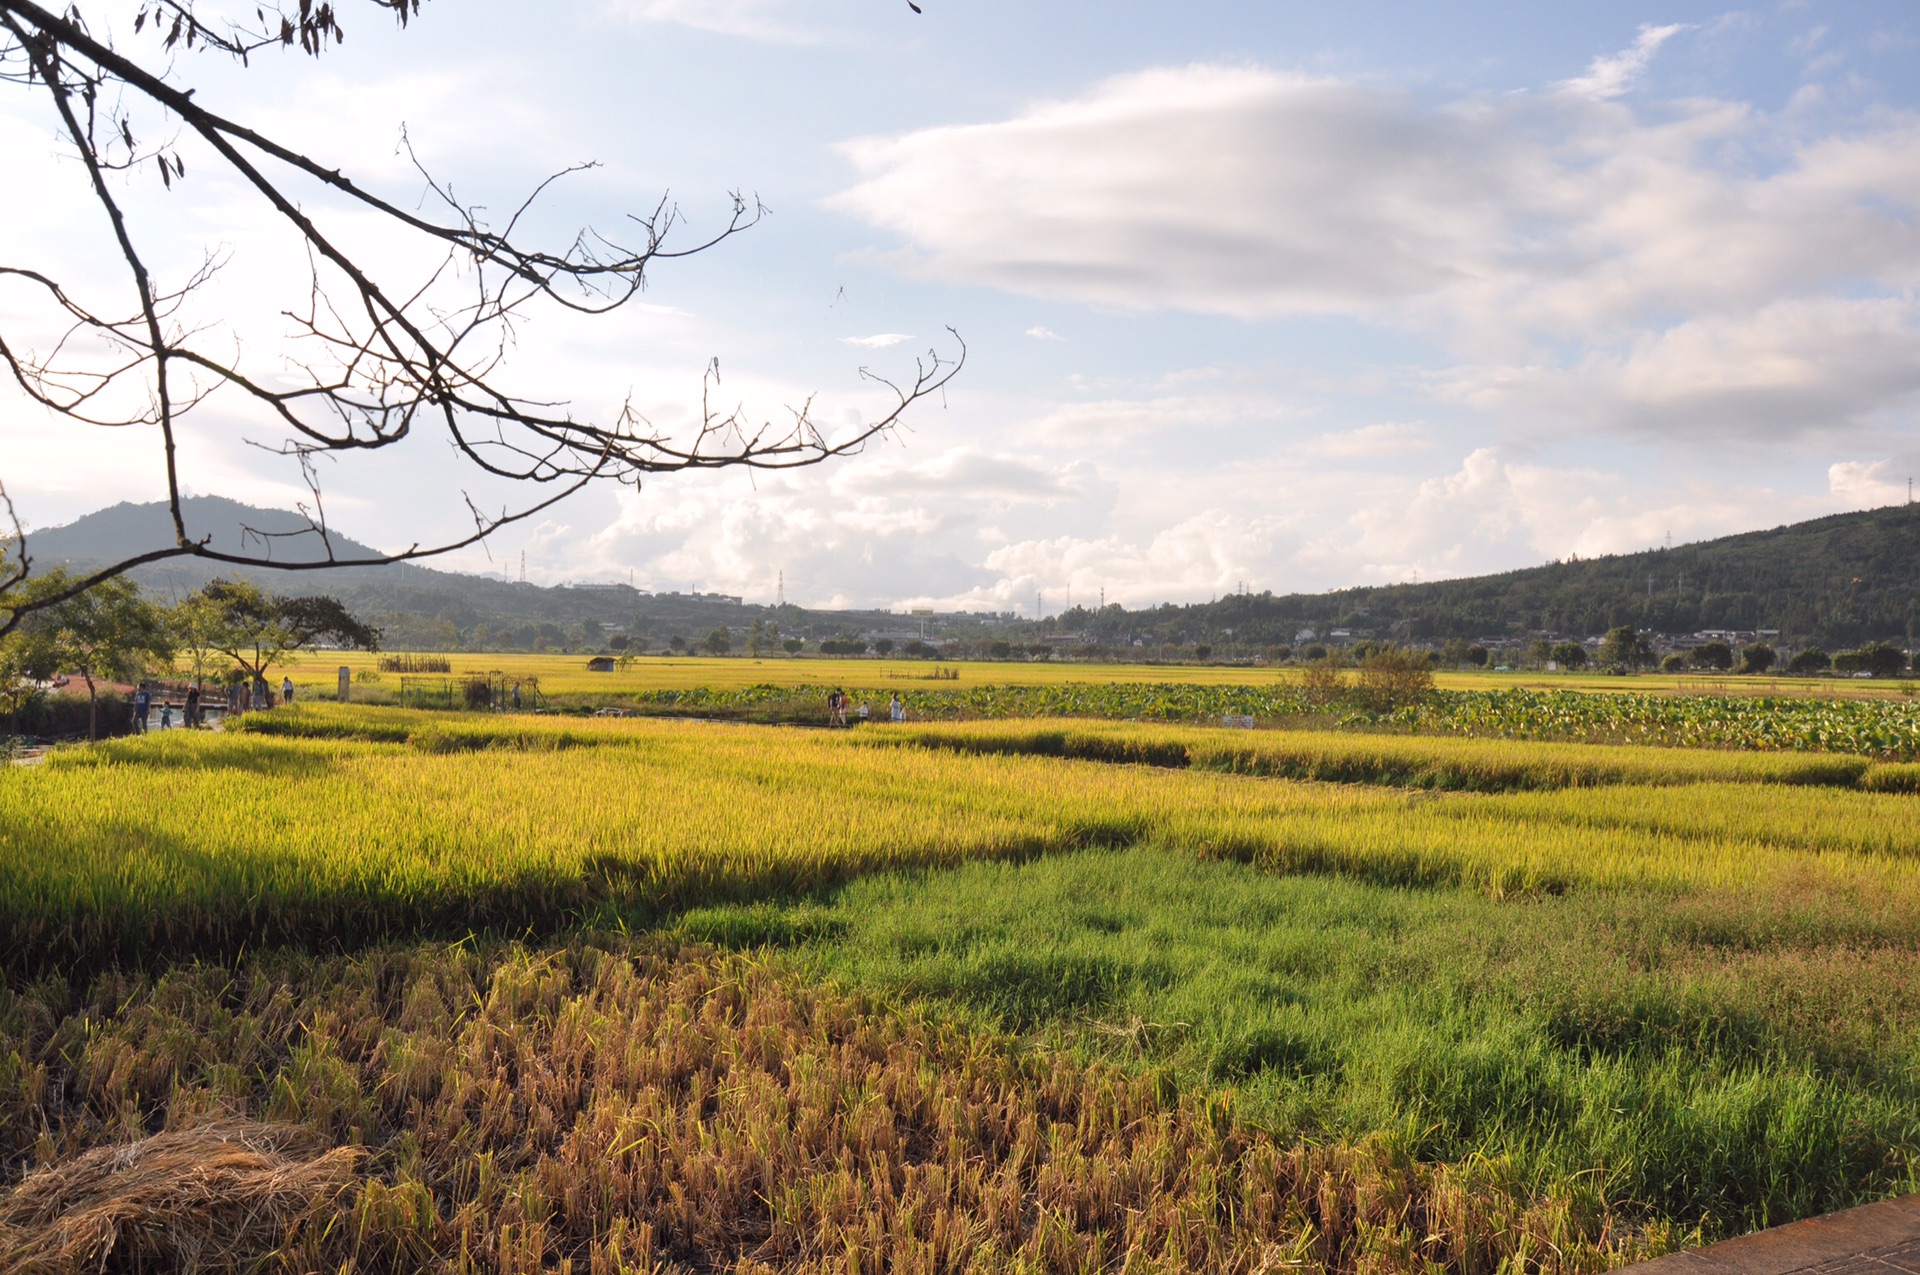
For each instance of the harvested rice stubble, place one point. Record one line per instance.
(622, 1106)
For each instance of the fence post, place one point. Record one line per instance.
(346, 682)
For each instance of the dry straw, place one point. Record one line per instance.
(211, 1197)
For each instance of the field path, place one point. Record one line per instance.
(1873, 1239)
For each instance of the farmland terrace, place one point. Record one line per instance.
(382, 989)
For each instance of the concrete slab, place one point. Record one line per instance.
(1873, 1239)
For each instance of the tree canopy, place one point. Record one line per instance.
(108, 632)
(254, 628)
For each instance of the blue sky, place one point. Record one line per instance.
(1282, 296)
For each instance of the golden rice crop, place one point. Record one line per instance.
(315, 673)
(1448, 762)
(189, 843)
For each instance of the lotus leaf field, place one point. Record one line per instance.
(1500, 979)
(1883, 728)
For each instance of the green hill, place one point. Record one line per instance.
(1838, 581)
(416, 606)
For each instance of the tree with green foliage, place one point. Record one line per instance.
(1625, 646)
(1569, 655)
(883, 647)
(1675, 663)
(1757, 658)
(792, 646)
(191, 637)
(1882, 659)
(717, 642)
(107, 632)
(254, 628)
(1811, 660)
(18, 688)
(1712, 655)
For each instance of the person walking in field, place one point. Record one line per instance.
(191, 717)
(142, 705)
(897, 710)
(837, 708)
(286, 689)
(516, 697)
(166, 717)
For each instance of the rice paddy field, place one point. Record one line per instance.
(567, 675)
(368, 988)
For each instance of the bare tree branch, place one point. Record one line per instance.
(381, 360)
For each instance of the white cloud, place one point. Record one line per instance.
(1864, 484)
(1611, 76)
(1212, 551)
(1319, 530)
(1209, 188)
(1260, 193)
(871, 530)
(878, 341)
(1044, 334)
(966, 473)
(1692, 267)
(1790, 367)
(1370, 442)
(1118, 420)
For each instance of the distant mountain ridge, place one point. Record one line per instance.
(125, 530)
(419, 607)
(1839, 581)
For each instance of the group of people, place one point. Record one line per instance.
(241, 698)
(191, 712)
(837, 707)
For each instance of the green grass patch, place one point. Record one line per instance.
(1713, 1061)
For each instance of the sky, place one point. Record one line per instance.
(1254, 296)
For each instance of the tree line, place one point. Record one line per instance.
(111, 633)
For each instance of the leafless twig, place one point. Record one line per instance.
(380, 361)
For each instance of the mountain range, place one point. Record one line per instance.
(1838, 581)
